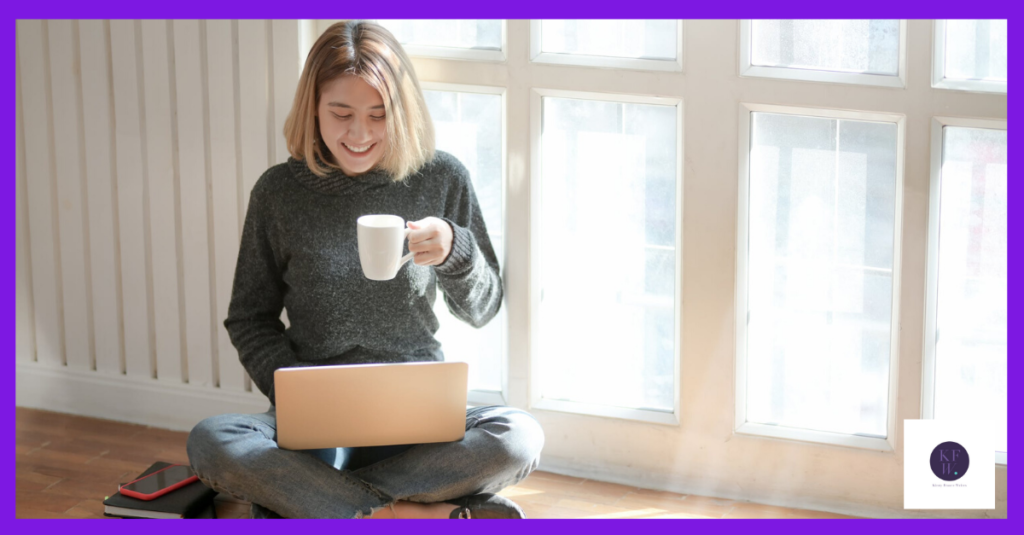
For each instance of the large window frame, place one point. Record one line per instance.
(477, 396)
(742, 426)
(537, 400)
(809, 75)
(932, 292)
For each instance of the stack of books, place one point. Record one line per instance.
(194, 500)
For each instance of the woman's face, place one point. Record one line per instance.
(352, 123)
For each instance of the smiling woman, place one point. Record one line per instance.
(359, 88)
(361, 142)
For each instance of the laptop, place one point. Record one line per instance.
(370, 404)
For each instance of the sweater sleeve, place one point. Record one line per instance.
(257, 298)
(470, 277)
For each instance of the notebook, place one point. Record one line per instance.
(190, 501)
(210, 512)
(359, 405)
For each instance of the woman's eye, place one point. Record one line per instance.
(374, 117)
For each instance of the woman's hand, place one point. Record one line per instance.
(431, 240)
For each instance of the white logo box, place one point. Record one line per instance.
(922, 489)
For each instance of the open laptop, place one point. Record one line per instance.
(370, 404)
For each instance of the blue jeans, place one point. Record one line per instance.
(238, 454)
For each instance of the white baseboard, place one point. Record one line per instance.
(664, 481)
(145, 401)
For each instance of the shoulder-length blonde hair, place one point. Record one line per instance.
(371, 52)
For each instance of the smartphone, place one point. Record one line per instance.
(158, 483)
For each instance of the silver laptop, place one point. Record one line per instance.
(370, 404)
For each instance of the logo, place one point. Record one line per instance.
(950, 461)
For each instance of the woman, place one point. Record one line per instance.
(361, 142)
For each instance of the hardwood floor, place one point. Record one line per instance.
(67, 464)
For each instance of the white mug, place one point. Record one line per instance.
(381, 238)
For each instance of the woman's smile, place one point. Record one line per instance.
(358, 151)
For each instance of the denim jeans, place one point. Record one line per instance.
(238, 454)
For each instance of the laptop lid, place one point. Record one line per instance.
(370, 404)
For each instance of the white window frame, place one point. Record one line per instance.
(463, 54)
(809, 75)
(742, 426)
(611, 62)
(932, 291)
(939, 80)
(491, 397)
(536, 379)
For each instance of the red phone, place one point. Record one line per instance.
(158, 483)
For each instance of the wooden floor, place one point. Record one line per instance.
(67, 464)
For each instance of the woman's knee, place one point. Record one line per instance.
(216, 443)
(522, 438)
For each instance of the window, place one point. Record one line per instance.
(481, 40)
(868, 52)
(469, 124)
(819, 271)
(965, 333)
(970, 55)
(608, 254)
(627, 44)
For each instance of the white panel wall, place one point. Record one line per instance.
(40, 193)
(98, 128)
(134, 170)
(161, 172)
(222, 83)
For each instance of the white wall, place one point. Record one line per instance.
(138, 144)
(140, 140)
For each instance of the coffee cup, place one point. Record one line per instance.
(381, 238)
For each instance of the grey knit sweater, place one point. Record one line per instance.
(299, 251)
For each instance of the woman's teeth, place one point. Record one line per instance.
(358, 149)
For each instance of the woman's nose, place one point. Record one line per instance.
(359, 131)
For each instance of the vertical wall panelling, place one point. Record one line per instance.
(97, 114)
(39, 172)
(71, 214)
(242, 191)
(189, 83)
(130, 138)
(139, 142)
(252, 70)
(163, 215)
(285, 79)
(224, 181)
(26, 343)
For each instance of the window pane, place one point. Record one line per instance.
(976, 50)
(475, 34)
(821, 227)
(970, 348)
(860, 46)
(608, 270)
(644, 39)
(468, 125)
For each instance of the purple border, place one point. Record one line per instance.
(512, 10)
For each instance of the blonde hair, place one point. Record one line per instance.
(371, 52)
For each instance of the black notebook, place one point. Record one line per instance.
(194, 500)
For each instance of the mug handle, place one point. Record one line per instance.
(411, 254)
